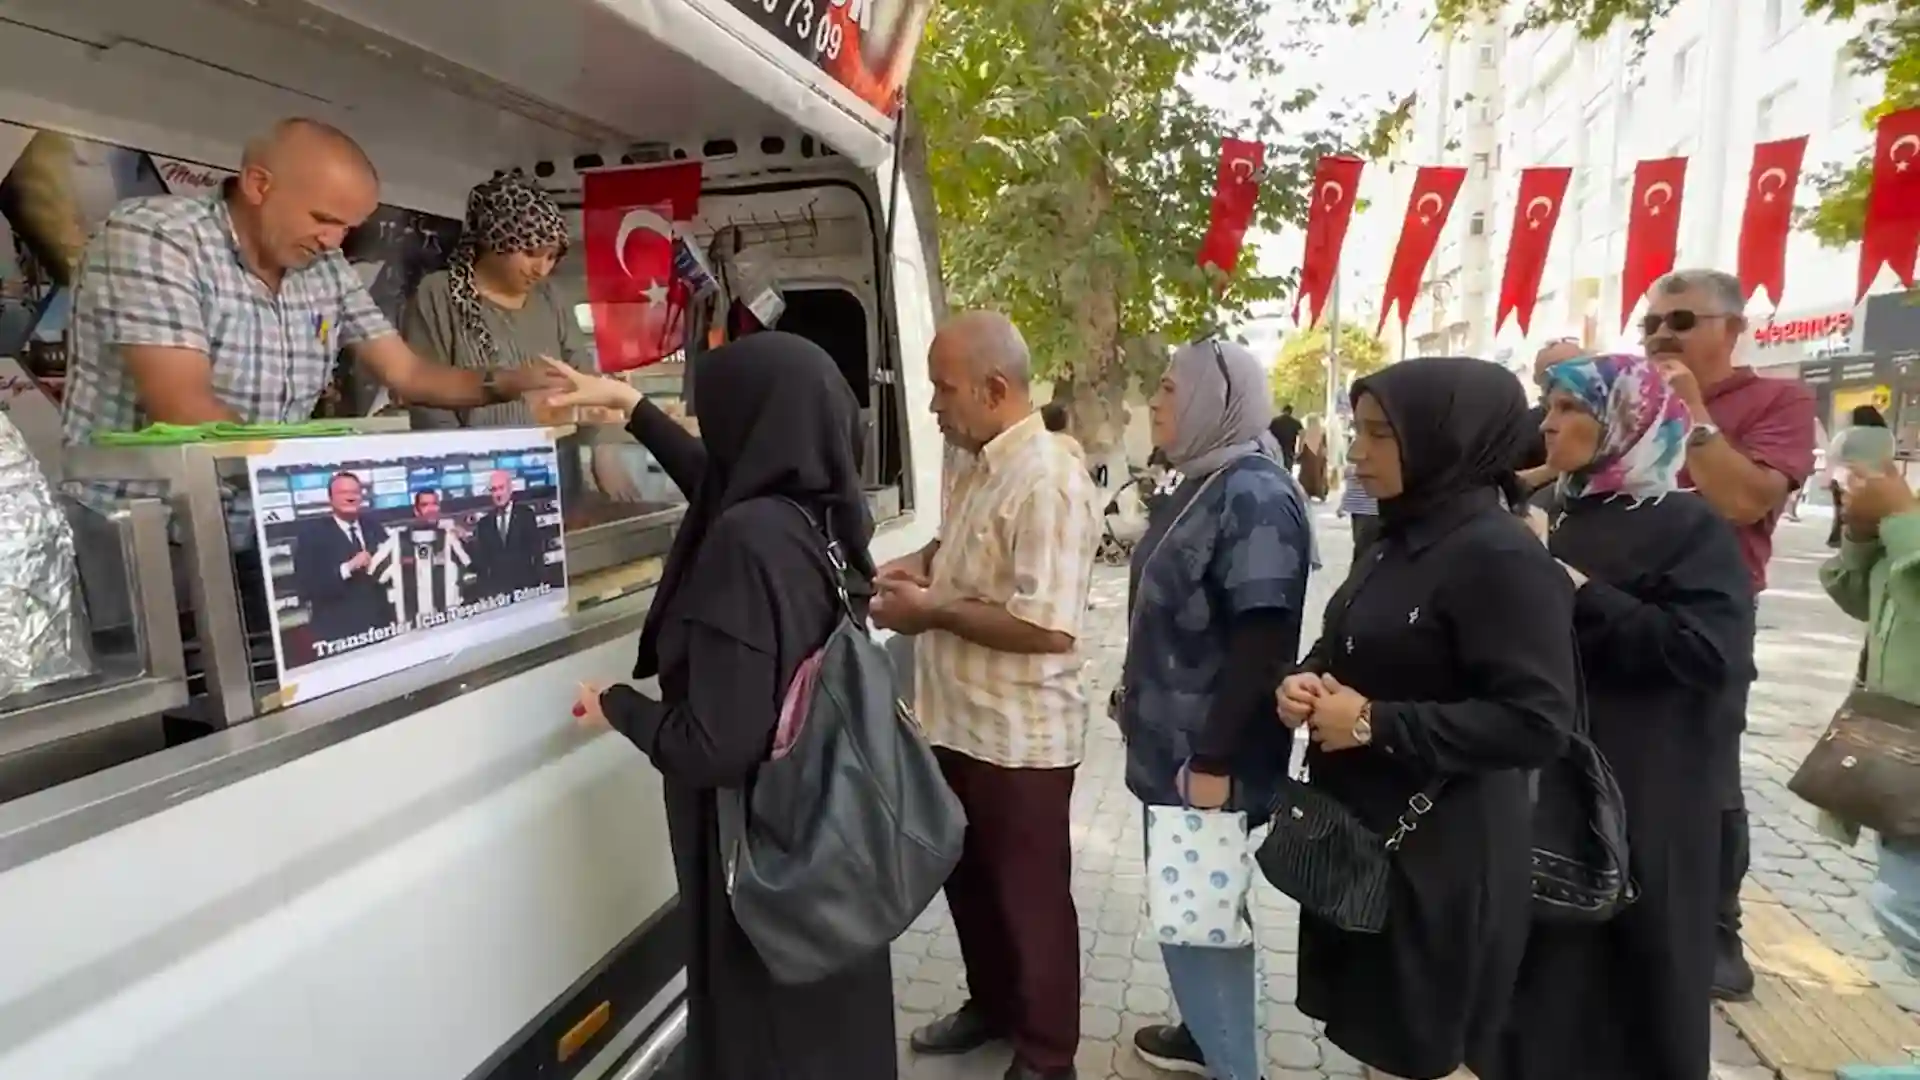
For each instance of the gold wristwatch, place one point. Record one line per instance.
(1363, 725)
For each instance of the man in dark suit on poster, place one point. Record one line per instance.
(508, 550)
(333, 567)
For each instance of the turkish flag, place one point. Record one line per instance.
(1769, 216)
(1336, 178)
(628, 218)
(1891, 236)
(1435, 187)
(1236, 188)
(1536, 213)
(1653, 228)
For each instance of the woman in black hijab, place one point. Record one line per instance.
(747, 594)
(1444, 673)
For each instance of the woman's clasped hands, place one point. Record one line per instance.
(1331, 711)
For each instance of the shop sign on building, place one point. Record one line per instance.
(1776, 332)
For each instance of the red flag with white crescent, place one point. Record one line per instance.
(1336, 179)
(1653, 229)
(1891, 236)
(1536, 213)
(628, 222)
(1435, 187)
(1768, 219)
(1236, 188)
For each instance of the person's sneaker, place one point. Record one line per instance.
(960, 1032)
(1170, 1047)
(1732, 975)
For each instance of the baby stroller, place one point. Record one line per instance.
(1124, 521)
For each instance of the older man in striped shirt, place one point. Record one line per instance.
(996, 603)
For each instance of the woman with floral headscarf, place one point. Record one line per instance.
(1663, 617)
(493, 306)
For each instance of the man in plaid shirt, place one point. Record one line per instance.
(232, 307)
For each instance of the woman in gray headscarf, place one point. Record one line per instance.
(1218, 587)
(495, 306)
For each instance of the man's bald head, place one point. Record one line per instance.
(298, 142)
(302, 185)
(981, 371)
(1555, 352)
(989, 342)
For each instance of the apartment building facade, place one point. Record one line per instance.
(1456, 121)
(1713, 79)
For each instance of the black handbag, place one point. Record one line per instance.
(1316, 851)
(1582, 875)
(1320, 854)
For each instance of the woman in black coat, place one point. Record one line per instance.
(745, 596)
(1664, 618)
(1445, 672)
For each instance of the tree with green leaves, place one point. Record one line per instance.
(1887, 46)
(1072, 156)
(1299, 374)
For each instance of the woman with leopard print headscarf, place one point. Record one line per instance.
(493, 306)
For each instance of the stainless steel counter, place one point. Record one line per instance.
(613, 555)
(48, 821)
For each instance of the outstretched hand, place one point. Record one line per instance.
(584, 390)
(587, 712)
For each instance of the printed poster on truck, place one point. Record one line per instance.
(866, 46)
(383, 552)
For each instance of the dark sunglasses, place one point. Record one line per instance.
(1220, 362)
(1680, 321)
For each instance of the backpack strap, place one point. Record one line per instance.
(836, 558)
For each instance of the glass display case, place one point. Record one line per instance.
(133, 635)
(229, 596)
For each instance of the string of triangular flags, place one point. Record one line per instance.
(1890, 236)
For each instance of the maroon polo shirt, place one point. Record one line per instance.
(1771, 422)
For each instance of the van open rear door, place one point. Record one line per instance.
(833, 67)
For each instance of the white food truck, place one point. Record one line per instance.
(433, 874)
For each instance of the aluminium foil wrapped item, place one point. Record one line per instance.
(42, 632)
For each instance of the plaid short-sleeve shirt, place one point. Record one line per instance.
(1019, 530)
(166, 271)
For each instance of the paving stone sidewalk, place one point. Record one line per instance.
(1807, 655)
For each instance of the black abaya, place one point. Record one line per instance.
(1461, 634)
(751, 597)
(1665, 626)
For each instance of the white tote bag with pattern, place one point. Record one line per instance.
(1199, 868)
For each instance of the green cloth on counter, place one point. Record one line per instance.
(222, 431)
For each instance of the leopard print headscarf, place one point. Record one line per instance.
(506, 214)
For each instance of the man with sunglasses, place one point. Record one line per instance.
(1750, 449)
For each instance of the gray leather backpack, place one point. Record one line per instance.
(844, 837)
